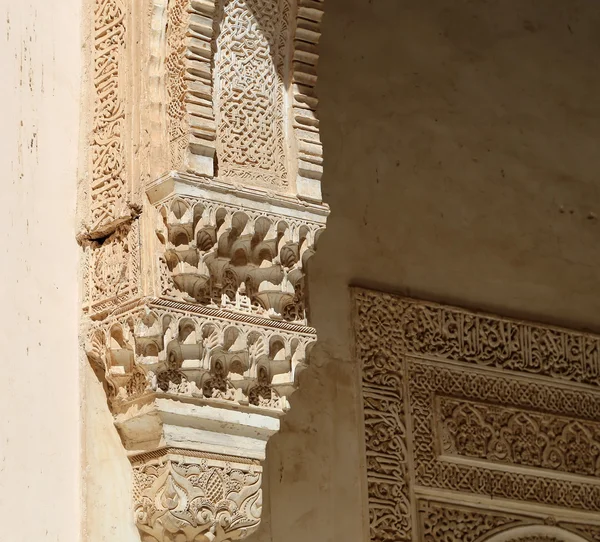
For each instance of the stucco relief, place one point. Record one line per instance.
(251, 64)
(474, 405)
(196, 317)
(191, 496)
(239, 259)
(112, 269)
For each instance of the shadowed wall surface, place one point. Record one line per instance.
(460, 166)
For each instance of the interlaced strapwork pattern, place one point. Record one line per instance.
(250, 68)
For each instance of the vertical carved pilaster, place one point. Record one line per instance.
(111, 199)
(196, 313)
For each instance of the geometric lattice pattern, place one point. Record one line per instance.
(252, 47)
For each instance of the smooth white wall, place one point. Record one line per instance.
(40, 56)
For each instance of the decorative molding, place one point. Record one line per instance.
(474, 405)
(305, 101)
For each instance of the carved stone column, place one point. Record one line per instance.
(203, 208)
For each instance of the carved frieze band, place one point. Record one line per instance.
(519, 436)
(428, 380)
(436, 331)
(155, 349)
(454, 401)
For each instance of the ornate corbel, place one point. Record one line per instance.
(196, 315)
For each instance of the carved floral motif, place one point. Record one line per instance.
(498, 433)
(180, 499)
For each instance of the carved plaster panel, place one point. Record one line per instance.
(112, 198)
(457, 403)
(193, 496)
(251, 68)
(196, 316)
(112, 269)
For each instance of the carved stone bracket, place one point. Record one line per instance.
(204, 209)
(192, 497)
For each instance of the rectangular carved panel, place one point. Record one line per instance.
(112, 269)
(428, 379)
(253, 48)
(474, 406)
(110, 190)
(515, 436)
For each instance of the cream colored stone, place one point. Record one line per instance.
(195, 250)
(40, 401)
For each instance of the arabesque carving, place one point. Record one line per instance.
(111, 195)
(474, 405)
(182, 497)
(440, 522)
(251, 61)
(520, 437)
(196, 317)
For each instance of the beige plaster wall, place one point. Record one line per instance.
(40, 470)
(461, 165)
